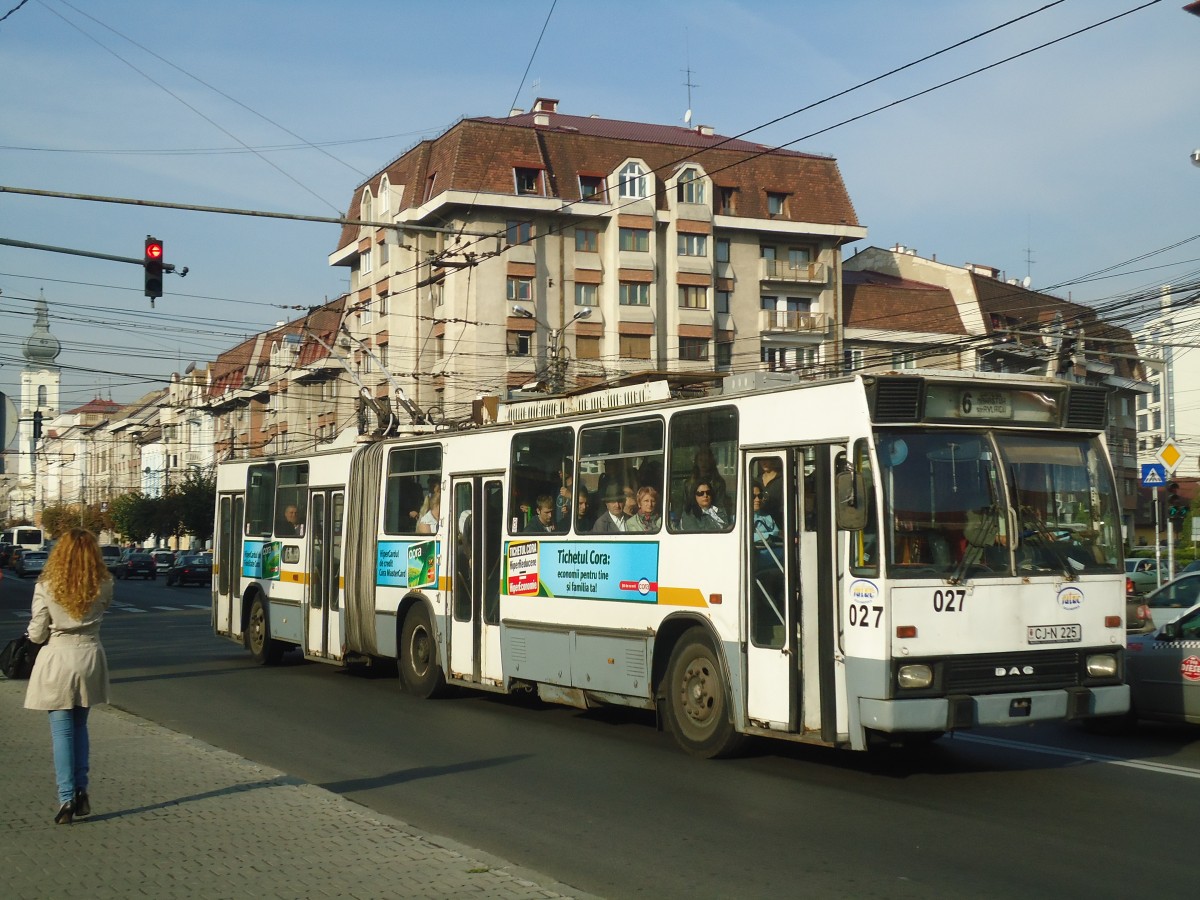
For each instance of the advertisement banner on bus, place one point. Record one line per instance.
(411, 564)
(260, 559)
(585, 571)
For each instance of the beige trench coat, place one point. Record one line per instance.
(71, 670)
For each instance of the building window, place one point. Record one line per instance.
(776, 204)
(634, 346)
(591, 188)
(635, 239)
(385, 254)
(385, 197)
(724, 354)
(693, 297)
(723, 298)
(722, 250)
(690, 186)
(1156, 419)
(855, 359)
(437, 293)
(632, 182)
(383, 304)
(366, 313)
(587, 240)
(518, 343)
(364, 262)
(587, 347)
(528, 181)
(694, 349)
(726, 197)
(799, 257)
(384, 356)
(634, 293)
(586, 294)
(904, 359)
(520, 288)
(518, 232)
(693, 245)
(429, 184)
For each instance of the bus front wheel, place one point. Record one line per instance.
(420, 673)
(697, 699)
(265, 650)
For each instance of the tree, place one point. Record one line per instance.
(196, 503)
(60, 517)
(132, 515)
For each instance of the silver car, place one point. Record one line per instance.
(31, 562)
(1163, 671)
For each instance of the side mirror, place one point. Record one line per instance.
(1170, 632)
(853, 501)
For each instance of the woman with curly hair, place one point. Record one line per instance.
(71, 672)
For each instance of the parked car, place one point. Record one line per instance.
(5, 554)
(1138, 619)
(136, 562)
(112, 556)
(31, 562)
(1142, 573)
(194, 569)
(1162, 669)
(163, 559)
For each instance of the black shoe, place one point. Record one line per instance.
(65, 814)
(83, 806)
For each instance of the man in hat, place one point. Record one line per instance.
(612, 521)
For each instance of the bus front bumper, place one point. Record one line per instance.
(970, 711)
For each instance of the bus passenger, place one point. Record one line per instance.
(704, 468)
(431, 511)
(647, 518)
(701, 513)
(585, 516)
(543, 519)
(612, 521)
(292, 524)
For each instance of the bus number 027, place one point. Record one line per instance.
(949, 600)
(860, 615)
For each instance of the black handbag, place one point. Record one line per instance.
(16, 659)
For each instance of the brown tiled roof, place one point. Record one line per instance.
(95, 406)
(479, 155)
(885, 302)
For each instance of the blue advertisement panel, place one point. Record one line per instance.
(407, 564)
(595, 570)
(260, 559)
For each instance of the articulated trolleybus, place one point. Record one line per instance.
(874, 558)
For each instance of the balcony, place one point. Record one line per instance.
(782, 270)
(792, 322)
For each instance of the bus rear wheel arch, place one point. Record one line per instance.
(420, 667)
(695, 698)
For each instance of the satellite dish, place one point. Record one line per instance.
(191, 367)
(687, 117)
(1026, 282)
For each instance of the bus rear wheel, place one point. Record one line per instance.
(265, 650)
(697, 699)
(420, 673)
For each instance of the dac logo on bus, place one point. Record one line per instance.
(1070, 598)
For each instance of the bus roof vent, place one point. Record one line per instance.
(897, 400)
(592, 401)
(1087, 407)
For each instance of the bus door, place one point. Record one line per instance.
(790, 588)
(476, 552)
(231, 516)
(322, 599)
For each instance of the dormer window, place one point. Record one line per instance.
(591, 188)
(364, 206)
(632, 182)
(690, 186)
(528, 181)
(385, 197)
(776, 204)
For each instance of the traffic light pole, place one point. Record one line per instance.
(1158, 516)
(167, 267)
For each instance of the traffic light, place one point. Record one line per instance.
(153, 264)
(1177, 507)
(37, 425)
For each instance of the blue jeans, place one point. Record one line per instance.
(68, 728)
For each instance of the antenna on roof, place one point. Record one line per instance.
(687, 116)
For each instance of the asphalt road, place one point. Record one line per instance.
(603, 801)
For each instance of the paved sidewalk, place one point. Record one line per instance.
(175, 817)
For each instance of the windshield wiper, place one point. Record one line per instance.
(1030, 516)
(980, 535)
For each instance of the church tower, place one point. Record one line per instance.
(40, 381)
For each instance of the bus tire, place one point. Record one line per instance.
(420, 672)
(264, 649)
(696, 698)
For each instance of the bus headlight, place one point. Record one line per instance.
(917, 675)
(1102, 665)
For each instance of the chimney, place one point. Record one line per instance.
(541, 119)
(515, 111)
(545, 105)
(706, 130)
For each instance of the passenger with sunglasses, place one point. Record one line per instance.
(701, 512)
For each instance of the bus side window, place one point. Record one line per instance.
(412, 473)
(703, 459)
(542, 466)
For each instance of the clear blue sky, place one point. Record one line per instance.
(1075, 156)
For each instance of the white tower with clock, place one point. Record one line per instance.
(40, 381)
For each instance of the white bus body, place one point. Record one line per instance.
(27, 537)
(945, 555)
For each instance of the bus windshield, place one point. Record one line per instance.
(969, 504)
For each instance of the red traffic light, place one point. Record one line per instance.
(154, 250)
(153, 264)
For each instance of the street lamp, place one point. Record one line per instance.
(558, 363)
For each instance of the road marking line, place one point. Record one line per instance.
(166, 608)
(199, 606)
(1161, 768)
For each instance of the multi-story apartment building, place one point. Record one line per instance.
(1172, 367)
(553, 250)
(905, 311)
